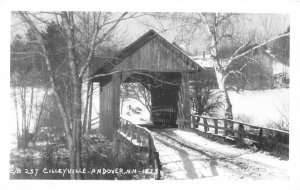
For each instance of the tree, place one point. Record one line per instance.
(26, 77)
(82, 32)
(280, 48)
(205, 99)
(138, 92)
(220, 29)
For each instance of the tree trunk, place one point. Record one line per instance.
(77, 125)
(30, 109)
(222, 87)
(72, 158)
(37, 125)
(84, 122)
(122, 103)
(23, 106)
(90, 110)
(75, 145)
(17, 117)
(220, 75)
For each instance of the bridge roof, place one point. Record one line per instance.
(111, 64)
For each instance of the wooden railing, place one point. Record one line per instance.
(240, 130)
(141, 136)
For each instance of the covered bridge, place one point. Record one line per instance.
(160, 67)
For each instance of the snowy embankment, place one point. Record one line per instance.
(261, 108)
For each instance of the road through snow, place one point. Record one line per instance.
(186, 155)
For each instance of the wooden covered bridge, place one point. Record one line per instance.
(164, 69)
(161, 67)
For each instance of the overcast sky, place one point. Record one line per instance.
(279, 23)
(134, 28)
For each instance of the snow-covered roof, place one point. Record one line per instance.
(203, 60)
(279, 68)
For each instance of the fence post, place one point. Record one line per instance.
(128, 130)
(216, 125)
(133, 133)
(150, 148)
(260, 138)
(205, 124)
(157, 165)
(193, 122)
(230, 123)
(241, 130)
(225, 127)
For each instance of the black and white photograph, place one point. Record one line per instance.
(104, 94)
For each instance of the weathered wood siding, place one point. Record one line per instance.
(183, 103)
(110, 107)
(155, 56)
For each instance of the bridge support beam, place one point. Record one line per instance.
(183, 103)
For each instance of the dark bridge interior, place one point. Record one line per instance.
(164, 88)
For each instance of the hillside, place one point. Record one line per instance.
(262, 108)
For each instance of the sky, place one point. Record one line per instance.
(278, 24)
(134, 28)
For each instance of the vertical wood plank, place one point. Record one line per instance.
(186, 103)
(150, 149)
(241, 130)
(157, 165)
(230, 124)
(225, 127)
(216, 125)
(260, 138)
(205, 124)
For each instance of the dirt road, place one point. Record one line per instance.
(186, 155)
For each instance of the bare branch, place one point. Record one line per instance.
(94, 43)
(256, 47)
(242, 47)
(40, 19)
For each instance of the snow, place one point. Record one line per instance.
(279, 67)
(260, 107)
(211, 159)
(261, 157)
(203, 62)
(142, 117)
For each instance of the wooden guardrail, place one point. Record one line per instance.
(239, 130)
(142, 137)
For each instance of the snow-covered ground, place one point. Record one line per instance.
(191, 156)
(261, 107)
(254, 107)
(258, 107)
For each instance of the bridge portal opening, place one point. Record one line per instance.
(163, 89)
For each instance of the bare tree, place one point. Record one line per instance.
(219, 29)
(17, 116)
(82, 33)
(23, 88)
(40, 109)
(137, 92)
